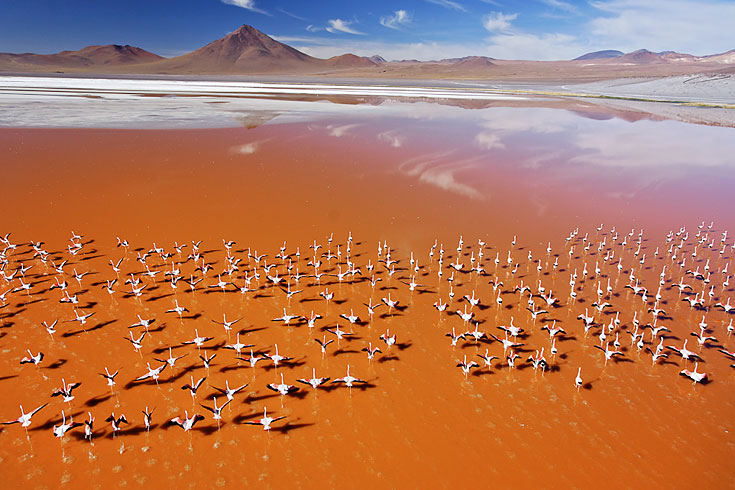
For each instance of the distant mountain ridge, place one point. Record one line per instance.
(470, 61)
(245, 50)
(596, 55)
(110, 54)
(115, 53)
(645, 56)
(349, 61)
(249, 51)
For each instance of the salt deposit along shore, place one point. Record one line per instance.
(82, 102)
(700, 98)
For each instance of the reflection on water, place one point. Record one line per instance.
(611, 141)
(471, 152)
(439, 169)
(160, 104)
(562, 161)
(122, 103)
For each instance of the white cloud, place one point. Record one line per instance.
(246, 4)
(246, 149)
(498, 21)
(503, 122)
(339, 25)
(439, 170)
(395, 21)
(508, 43)
(292, 40)
(559, 4)
(692, 26)
(449, 4)
(488, 141)
(443, 177)
(696, 27)
(326, 48)
(524, 46)
(515, 120)
(503, 46)
(391, 138)
(622, 144)
(339, 131)
(613, 142)
(313, 28)
(290, 14)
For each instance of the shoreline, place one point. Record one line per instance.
(698, 99)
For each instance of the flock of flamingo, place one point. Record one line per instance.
(622, 296)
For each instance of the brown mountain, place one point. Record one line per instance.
(674, 57)
(247, 50)
(114, 54)
(244, 51)
(473, 62)
(597, 55)
(645, 56)
(349, 61)
(89, 57)
(640, 56)
(726, 57)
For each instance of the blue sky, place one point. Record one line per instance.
(405, 29)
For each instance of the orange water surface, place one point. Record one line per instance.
(514, 181)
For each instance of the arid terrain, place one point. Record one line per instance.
(248, 51)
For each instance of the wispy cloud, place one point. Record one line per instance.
(290, 14)
(517, 120)
(525, 46)
(246, 149)
(623, 145)
(391, 138)
(339, 25)
(500, 45)
(689, 26)
(561, 5)
(339, 131)
(449, 4)
(693, 26)
(489, 141)
(498, 21)
(439, 170)
(397, 20)
(246, 4)
(325, 47)
(506, 42)
(319, 41)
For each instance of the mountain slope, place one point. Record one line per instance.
(248, 50)
(349, 61)
(89, 57)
